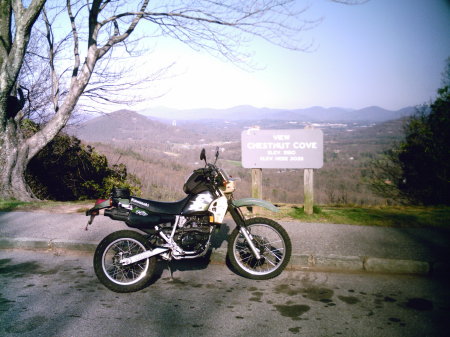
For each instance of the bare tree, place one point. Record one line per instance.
(16, 23)
(97, 29)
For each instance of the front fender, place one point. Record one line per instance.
(247, 202)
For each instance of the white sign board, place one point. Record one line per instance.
(298, 148)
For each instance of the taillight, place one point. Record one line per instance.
(99, 201)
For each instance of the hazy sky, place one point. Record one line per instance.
(389, 53)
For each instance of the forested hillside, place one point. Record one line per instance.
(163, 155)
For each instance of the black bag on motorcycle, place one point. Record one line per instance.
(196, 183)
(120, 193)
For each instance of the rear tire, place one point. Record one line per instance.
(273, 243)
(119, 278)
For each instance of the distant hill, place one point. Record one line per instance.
(312, 114)
(207, 125)
(126, 125)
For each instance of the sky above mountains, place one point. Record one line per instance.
(389, 53)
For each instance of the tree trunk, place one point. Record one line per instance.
(14, 152)
(14, 160)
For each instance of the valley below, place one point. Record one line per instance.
(162, 153)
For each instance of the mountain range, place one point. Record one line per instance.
(127, 125)
(312, 114)
(124, 126)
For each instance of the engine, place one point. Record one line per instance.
(194, 234)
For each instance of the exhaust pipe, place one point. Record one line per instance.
(117, 214)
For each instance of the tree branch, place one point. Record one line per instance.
(51, 55)
(11, 65)
(76, 52)
(115, 39)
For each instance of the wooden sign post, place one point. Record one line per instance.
(308, 187)
(256, 186)
(308, 180)
(257, 183)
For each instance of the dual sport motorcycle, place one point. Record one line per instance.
(124, 261)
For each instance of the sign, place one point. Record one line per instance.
(291, 148)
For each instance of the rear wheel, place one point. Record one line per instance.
(272, 242)
(115, 276)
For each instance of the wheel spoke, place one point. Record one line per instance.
(272, 253)
(247, 258)
(271, 243)
(270, 262)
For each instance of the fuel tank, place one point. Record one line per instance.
(198, 203)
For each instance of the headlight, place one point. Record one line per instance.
(229, 186)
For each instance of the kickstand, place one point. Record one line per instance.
(91, 220)
(170, 271)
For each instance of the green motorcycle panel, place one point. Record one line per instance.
(246, 202)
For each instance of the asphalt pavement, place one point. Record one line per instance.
(316, 246)
(45, 294)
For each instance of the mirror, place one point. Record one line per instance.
(203, 155)
(217, 155)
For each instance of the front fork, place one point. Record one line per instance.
(239, 219)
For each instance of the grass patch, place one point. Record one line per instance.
(45, 206)
(235, 163)
(363, 216)
(377, 216)
(11, 205)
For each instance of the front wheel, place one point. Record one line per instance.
(270, 239)
(115, 276)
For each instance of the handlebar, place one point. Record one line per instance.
(211, 171)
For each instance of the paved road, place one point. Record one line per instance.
(307, 238)
(320, 246)
(44, 294)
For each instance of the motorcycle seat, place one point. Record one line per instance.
(161, 207)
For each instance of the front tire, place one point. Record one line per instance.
(111, 273)
(273, 243)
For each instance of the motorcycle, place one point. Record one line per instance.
(124, 261)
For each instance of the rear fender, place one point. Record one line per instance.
(99, 204)
(248, 202)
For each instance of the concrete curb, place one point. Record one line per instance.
(329, 262)
(366, 264)
(27, 243)
(309, 262)
(397, 266)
